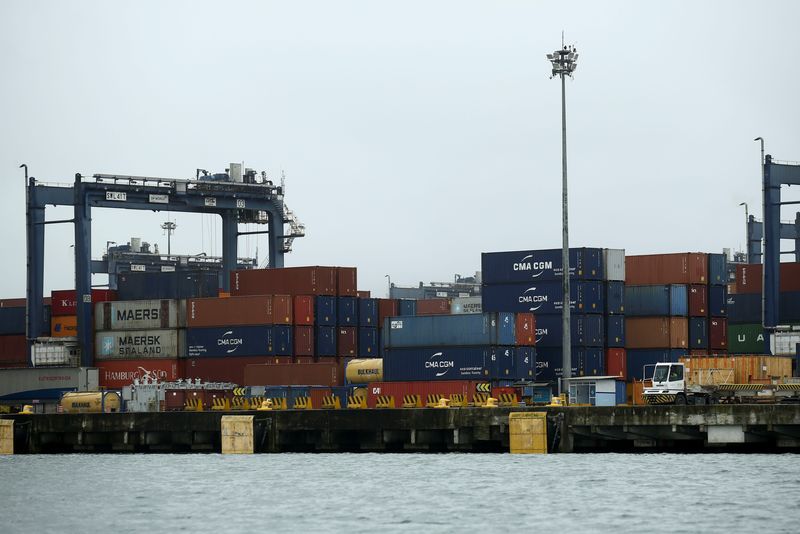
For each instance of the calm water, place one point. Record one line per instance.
(389, 493)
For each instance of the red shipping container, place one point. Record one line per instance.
(294, 374)
(285, 280)
(387, 308)
(433, 307)
(525, 329)
(363, 294)
(656, 332)
(698, 300)
(347, 341)
(617, 363)
(225, 369)
(175, 399)
(656, 269)
(748, 277)
(698, 352)
(64, 302)
(304, 309)
(13, 350)
(230, 311)
(303, 359)
(304, 341)
(115, 374)
(317, 395)
(718, 334)
(281, 309)
(346, 282)
(436, 387)
(15, 303)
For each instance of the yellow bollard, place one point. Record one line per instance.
(237, 434)
(6, 436)
(527, 432)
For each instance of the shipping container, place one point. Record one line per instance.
(368, 342)
(698, 333)
(746, 339)
(285, 281)
(140, 315)
(387, 308)
(614, 264)
(347, 341)
(433, 307)
(346, 281)
(216, 342)
(789, 307)
(656, 332)
(139, 344)
(525, 329)
(312, 374)
(450, 330)
(116, 374)
(55, 351)
(363, 371)
(718, 334)
(303, 308)
(325, 310)
(225, 369)
(283, 336)
(13, 350)
(45, 383)
(650, 301)
(543, 297)
(744, 308)
(526, 363)
(167, 285)
(325, 340)
(586, 361)
(681, 268)
(64, 326)
(616, 363)
(12, 320)
(422, 389)
(406, 307)
(743, 369)
(368, 312)
(639, 358)
(749, 277)
(698, 300)
(303, 340)
(587, 330)
(717, 269)
(282, 309)
(465, 305)
(299, 359)
(615, 331)
(718, 301)
(64, 302)
(230, 311)
(540, 265)
(362, 294)
(614, 298)
(785, 343)
(347, 311)
(449, 363)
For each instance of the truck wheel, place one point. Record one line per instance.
(680, 399)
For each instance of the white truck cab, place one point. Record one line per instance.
(669, 384)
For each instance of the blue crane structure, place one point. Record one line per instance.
(236, 198)
(755, 233)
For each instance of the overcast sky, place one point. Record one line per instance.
(413, 135)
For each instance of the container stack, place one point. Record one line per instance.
(531, 281)
(13, 344)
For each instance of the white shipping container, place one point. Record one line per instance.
(140, 344)
(614, 264)
(55, 353)
(466, 305)
(140, 315)
(784, 343)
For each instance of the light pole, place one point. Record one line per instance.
(564, 62)
(389, 278)
(169, 227)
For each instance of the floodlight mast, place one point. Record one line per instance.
(564, 61)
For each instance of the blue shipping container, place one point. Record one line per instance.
(639, 358)
(448, 363)
(526, 363)
(615, 331)
(744, 308)
(368, 342)
(325, 340)
(346, 311)
(540, 265)
(698, 333)
(789, 307)
(230, 341)
(718, 301)
(368, 312)
(170, 285)
(406, 307)
(585, 362)
(717, 269)
(449, 330)
(12, 321)
(284, 340)
(587, 330)
(644, 301)
(544, 297)
(325, 311)
(615, 298)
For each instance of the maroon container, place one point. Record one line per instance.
(748, 277)
(347, 341)
(302, 359)
(13, 351)
(698, 300)
(64, 302)
(231, 311)
(525, 329)
(698, 352)
(657, 269)
(346, 280)
(398, 390)
(433, 307)
(718, 334)
(286, 281)
(363, 294)
(617, 363)
(294, 374)
(387, 308)
(304, 341)
(174, 399)
(304, 309)
(226, 369)
(281, 309)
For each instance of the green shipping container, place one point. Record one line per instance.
(745, 339)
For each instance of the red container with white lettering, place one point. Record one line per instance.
(64, 302)
(116, 374)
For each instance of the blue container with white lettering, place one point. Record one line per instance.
(651, 301)
(449, 363)
(542, 297)
(540, 265)
(698, 333)
(230, 341)
(406, 307)
(325, 340)
(615, 331)
(368, 342)
(368, 312)
(586, 361)
(325, 310)
(284, 342)
(718, 301)
(466, 329)
(641, 361)
(614, 298)
(347, 311)
(587, 330)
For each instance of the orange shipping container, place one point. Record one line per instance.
(282, 309)
(525, 329)
(747, 369)
(346, 281)
(433, 307)
(304, 310)
(230, 311)
(656, 332)
(64, 326)
(683, 268)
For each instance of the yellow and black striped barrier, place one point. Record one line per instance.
(658, 399)
(240, 403)
(256, 402)
(740, 387)
(458, 400)
(279, 403)
(302, 403)
(788, 387)
(384, 401)
(218, 404)
(433, 400)
(507, 399)
(331, 402)
(193, 405)
(412, 401)
(356, 402)
(479, 399)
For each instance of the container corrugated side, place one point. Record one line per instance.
(303, 309)
(526, 266)
(167, 285)
(656, 332)
(387, 308)
(310, 374)
(586, 361)
(718, 333)
(749, 277)
(368, 312)
(433, 306)
(325, 340)
(230, 341)
(226, 369)
(347, 341)
(698, 300)
(614, 297)
(616, 362)
(406, 307)
(346, 311)
(140, 315)
(614, 264)
(587, 330)
(680, 268)
(314, 280)
(646, 301)
(325, 310)
(717, 269)
(449, 363)
(241, 311)
(615, 331)
(718, 301)
(139, 344)
(303, 340)
(450, 330)
(13, 350)
(543, 297)
(698, 333)
(368, 342)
